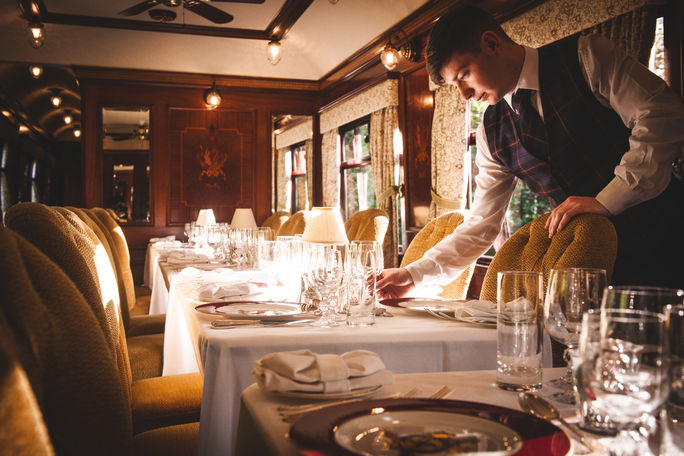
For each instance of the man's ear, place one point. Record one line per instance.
(490, 43)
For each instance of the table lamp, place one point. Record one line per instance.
(326, 226)
(243, 218)
(205, 217)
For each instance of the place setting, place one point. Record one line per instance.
(478, 312)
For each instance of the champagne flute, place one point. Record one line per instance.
(570, 293)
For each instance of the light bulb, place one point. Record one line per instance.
(212, 97)
(389, 57)
(67, 118)
(273, 52)
(37, 34)
(36, 71)
(77, 132)
(56, 100)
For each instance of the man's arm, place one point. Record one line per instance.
(646, 105)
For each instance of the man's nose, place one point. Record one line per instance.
(466, 92)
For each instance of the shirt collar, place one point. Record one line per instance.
(529, 75)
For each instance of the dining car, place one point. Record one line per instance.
(285, 227)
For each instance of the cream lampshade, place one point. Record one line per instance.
(243, 218)
(326, 225)
(205, 217)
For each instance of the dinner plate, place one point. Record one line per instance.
(254, 310)
(359, 392)
(426, 426)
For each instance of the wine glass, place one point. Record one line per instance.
(326, 274)
(570, 293)
(629, 377)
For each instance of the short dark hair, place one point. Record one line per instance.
(458, 31)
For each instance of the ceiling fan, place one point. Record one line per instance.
(199, 7)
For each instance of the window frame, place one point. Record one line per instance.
(354, 163)
(294, 175)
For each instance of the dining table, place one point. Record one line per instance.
(262, 429)
(407, 340)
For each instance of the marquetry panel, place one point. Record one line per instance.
(213, 158)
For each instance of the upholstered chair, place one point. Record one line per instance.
(157, 401)
(276, 220)
(22, 428)
(68, 362)
(368, 225)
(428, 237)
(295, 224)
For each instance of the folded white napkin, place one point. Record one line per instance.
(167, 244)
(303, 370)
(221, 290)
(182, 257)
(476, 311)
(170, 237)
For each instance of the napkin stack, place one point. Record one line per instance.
(303, 370)
(182, 257)
(171, 237)
(476, 311)
(212, 291)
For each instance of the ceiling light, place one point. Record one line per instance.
(396, 46)
(77, 131)
(55, 99)
(23, 129)
(212, 96)
(36, 71)
(67, 117)
(6, 113)
(273, 52)
(37, 34)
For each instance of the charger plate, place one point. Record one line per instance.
(427, 426)
(359, 392)
(254, 310)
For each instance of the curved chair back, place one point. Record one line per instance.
(589, 240)
(428, 237)
(64, 352)
(295, 224)
(22, 428)
(367, 225)
(276, 220)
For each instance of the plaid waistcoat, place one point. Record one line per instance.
(586, 139)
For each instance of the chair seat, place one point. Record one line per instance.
(164, 401)
(142, 305)
(180, 440)
(146, 355)
(141, 325)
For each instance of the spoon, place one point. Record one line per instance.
(540, 407)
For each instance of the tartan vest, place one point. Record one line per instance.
(586, 139)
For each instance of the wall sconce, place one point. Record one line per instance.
(396, 46)
(37, 34)
(273, 51)
(77, 131)
(55, 99)
(36, 71)
(212, 97)
(67, 116)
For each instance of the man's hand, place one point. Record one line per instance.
(394, 283)
(572, 206)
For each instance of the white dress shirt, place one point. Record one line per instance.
(644, 103)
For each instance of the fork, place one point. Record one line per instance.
(441, 315)
(443, 392)
(290, 413)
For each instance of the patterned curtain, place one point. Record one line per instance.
(283, 180)
(308, 145)
(330, 157)
(383, 124)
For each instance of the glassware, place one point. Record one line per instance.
(519, 330)
(215, 240)
(673, 418)
(362, 269)
(629, 377)
(326, 274)
(653, 299)
(570, 293)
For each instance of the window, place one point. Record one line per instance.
(656, 63)
(357, 186)
(300, 195)
(5, 196)
(30, 182)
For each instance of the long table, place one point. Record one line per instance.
(407, 342)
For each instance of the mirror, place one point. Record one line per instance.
(126, 162)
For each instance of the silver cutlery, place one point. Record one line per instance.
(231, 324)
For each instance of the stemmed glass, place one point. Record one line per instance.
(356, 247)
(326, 274)
(630, 375)
(570, 293)
(215, 239)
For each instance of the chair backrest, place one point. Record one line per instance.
(428, 237)
(588, 240)
(276, 220)
(367, 225)
(64, 352)
(22, 428)
(295, 224)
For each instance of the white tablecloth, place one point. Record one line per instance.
(262, 431)
(407, 342)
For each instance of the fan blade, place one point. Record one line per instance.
(239, 1)
(207, 11)
(139, 8)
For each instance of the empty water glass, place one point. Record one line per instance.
(674, 409)
(326, 274)
(362, 268)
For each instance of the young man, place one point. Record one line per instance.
(578, 121)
